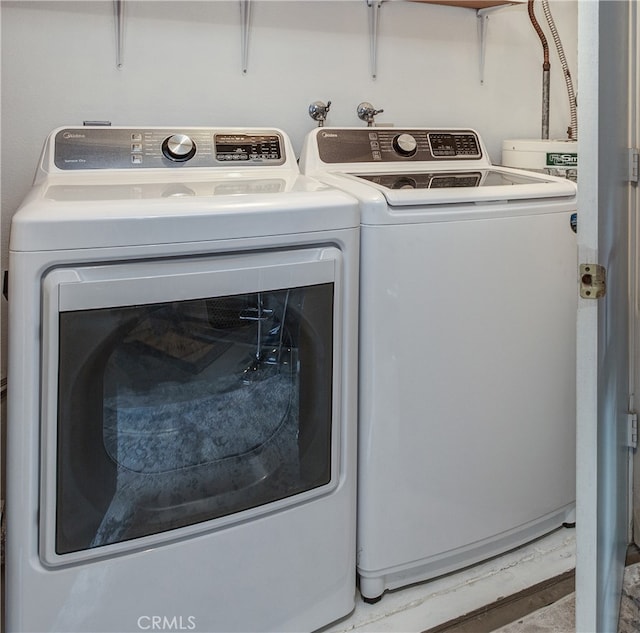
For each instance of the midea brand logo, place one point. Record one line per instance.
(329, 135)
(73, 135)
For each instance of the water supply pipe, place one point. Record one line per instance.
(546, 68)
(572, 131)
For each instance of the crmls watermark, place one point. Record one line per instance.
(166, 623)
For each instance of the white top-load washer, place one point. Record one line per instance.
(182, 386)
(468, 293)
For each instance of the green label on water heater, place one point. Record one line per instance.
(557, 159)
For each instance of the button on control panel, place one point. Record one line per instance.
(124, 148)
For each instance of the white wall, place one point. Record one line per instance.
(182, 66)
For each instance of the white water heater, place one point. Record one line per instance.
(555, 157)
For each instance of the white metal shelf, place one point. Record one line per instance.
(483, 9)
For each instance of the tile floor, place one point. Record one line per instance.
(427, 605)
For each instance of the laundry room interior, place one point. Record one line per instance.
(282, 72)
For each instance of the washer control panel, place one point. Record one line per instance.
(364, 145)
(131, 148)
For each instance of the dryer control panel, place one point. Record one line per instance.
(360, 145)
(135, 148)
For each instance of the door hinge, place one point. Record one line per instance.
(593, 281)
(632, 430)
(634, 164)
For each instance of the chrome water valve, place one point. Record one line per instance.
(366, 112)
(318, 111)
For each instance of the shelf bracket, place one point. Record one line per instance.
(245, 19)
(374, 11)
(483, 24)
(118, 12)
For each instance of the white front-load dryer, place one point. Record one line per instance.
(182, 387)
(468, 297)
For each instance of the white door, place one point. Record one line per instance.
(604, 42)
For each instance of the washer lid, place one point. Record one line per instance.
(472, 186)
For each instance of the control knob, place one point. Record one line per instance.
(178, 148)
(405, 144)
(404, 182)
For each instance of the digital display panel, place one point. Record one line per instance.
(242, 147)
(442, 144)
